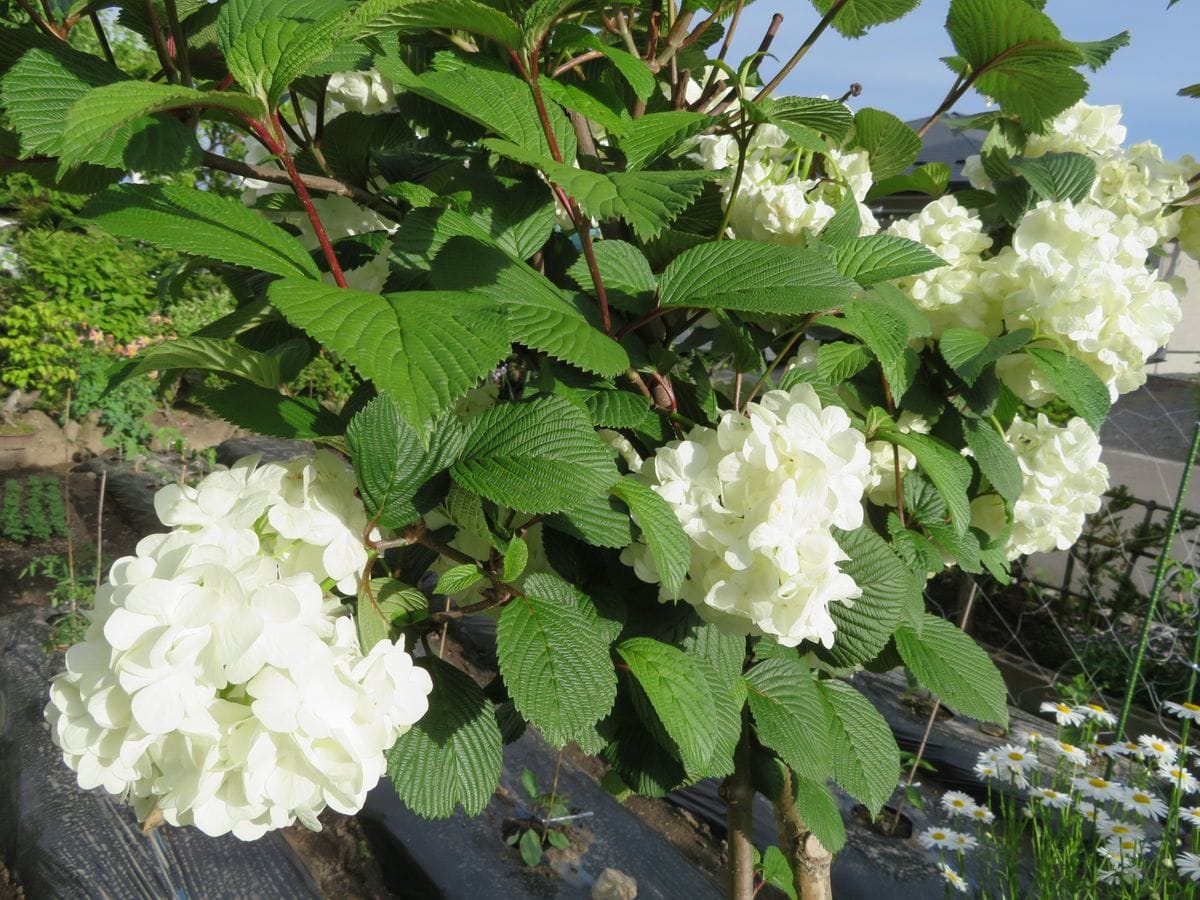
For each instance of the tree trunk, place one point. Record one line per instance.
(809, 860)
(738, 791)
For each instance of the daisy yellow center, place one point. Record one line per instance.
(1140, 798)
(1067, 748)
(1128, 845)
(1015, 756)
(1120, 829)
(1063, 708)
(1191, 707)
(939, 835)
(1158, 748)
(957, 804)
(1096, 708)
(1098, 782)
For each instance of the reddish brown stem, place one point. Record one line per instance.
(578, 61)
(804, 48)
(278, 145)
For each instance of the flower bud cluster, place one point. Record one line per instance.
(778, 200)
(217, 684)
(758, 496)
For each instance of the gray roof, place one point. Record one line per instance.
(948, 145)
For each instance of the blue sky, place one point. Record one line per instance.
(898, 64)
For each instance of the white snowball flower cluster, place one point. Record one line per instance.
(1064, 480)
(757, 497)
(366, 92)
(216, 684)
(1135, 181)
(776, 202)
(950, 296)
(1077, 274)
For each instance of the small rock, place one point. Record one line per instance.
(613, 884)
(71, 431)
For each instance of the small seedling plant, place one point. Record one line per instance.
(34, 509)
(545, 810)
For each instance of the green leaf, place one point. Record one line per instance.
(1058, 176)
(1075, 383)
(995, 457)
(1192, 90)
(605, 110)
(424, 349)
(949, 472)
(236, 17)
(886, 328)
(530, 846)
(401, 472)
(632, 68)
(825, 116)
(820, 812)
(753, 276)
(648, 201)
(1096, 54)
(555, 664)
(1016, 55)
(516, 558)
(497, 100)
(624, 270)
(197, 222)
(882, 257)
(776, 871)
(669, 545)
(209, 354)
(95, 119)
(890, 595)
(618, 409)
(968, 352)
(457, 579)
(679, 694)
(272, 54)
(540, 17)
(539, 314)
(892, 145)
(540, 456)
(268, 412)
(955, 668)
(455, 15)
(840, 361)
(452, 755)
(601, 522)
(790, 715)
(866, 760)
(371, 623)
(654, 134)
(398, 603)
(931, 178)
(856, 16)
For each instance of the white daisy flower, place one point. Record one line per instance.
(1183, 710)
(1126, 847)
(1016, 758)
(986, 770)
(1109, 751)
(1129, 748)
(1069, 752)
(936, 837)
(1051, 797)
(1190, 814)
(1188, 865)
(953, 879)
(1097, 788)
(963, 842)
(1096, 714)
(1112, 828)
(956, 803)
(1090, 811)
(982, 814)
(1178, 776)
(1144, 804)
(1063, 714)
(1160, 749)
